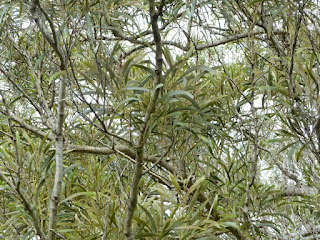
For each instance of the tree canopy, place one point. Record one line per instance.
(159, 119)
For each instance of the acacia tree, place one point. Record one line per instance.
(159, 119)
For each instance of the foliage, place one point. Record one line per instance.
(205, 112)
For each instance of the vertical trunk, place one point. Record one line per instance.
(134, 191)
(56, 188)
(54, 200)
(144, 128)
(38, 13)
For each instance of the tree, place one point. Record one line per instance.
(159, 119)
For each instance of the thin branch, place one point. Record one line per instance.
(159, 160)
(315, 230)
(32, 102)
(155, 176)
(26, 204)
(197, 47)
(103, 127)
(36, 11)
(16, 187)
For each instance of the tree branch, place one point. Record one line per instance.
(36, 11)
(144, 128)
(197, 47)
(299, 191)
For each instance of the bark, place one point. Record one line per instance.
(50, 35)
(144, 128)
(299, 190)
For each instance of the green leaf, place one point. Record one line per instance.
(231, 224)
(278, 140)
(298, 155)
(160, 85)
(254, 2)
(215, 206)
(36, 66)
(181, 93)
(175, 184)
(211, 102)
(151, 220)
(90, 28)
(56, 75)
(275, 89)
(77, 195)
(196, 184)
(198, 67)
(4, 10)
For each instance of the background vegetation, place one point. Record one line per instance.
(136, 119)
